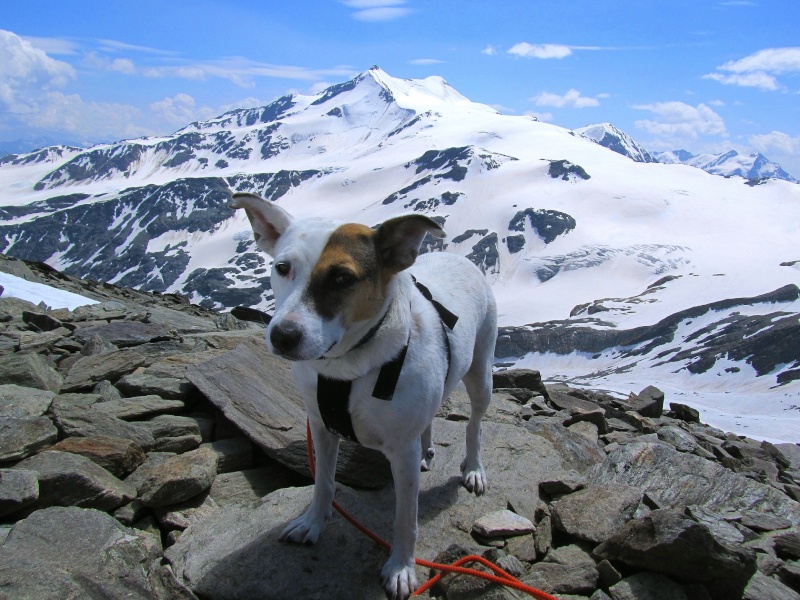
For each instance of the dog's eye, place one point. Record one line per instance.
(344, 279)
(282, 268)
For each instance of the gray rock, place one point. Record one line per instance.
(19, 401)
(235, 454)
(18, 489)
(106, 391)
(595, 513)
(502, 523)
(125, 333)
(566, 485)
(173, 433)
(67, 479)
(762, 587)
(555, 578)
(254, 389)
(180, 516)
(82, 553)
(95, 345)
(139, 407)
(179, 478)
(81, 421)
(677, 437)
(166, 378)
(787, 545)
(149, 468)
(668, 542)
(118, 456)
(23, 436)
(89, 370)
(102, 311)
(678, 480)
(647, 586)
(528, 379)
(248, 487)
(719, 528)
(759, 521)
(684, 412)
(649, 402)
(29, 370)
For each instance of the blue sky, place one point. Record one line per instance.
(702, 75)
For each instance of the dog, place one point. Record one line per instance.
(378, 337)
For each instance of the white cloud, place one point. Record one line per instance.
(540, 116)
(118, 65)
(681, 121)
(53, 45)
(377, 10)
(180, 110)
(759, 69)
(425, 61)
(572, 99)
(489, 50)
(527, 50)
(777, 140)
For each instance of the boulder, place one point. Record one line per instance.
(116, 455)
(174, 433)
(762, 587)
(125, 333)
(23, 436)
(235, 454)
(139, 407)
(90, 370)
(82, 421)
(502, 523)
(183, 514)
(647, 586)
(67, 479)
(29, 370)
(595, 513)
(248, 487)
(649, 402)
(668, 542)
(18, 489)
(19, 401)
(83, 553)
(179, 478)
(684, 412)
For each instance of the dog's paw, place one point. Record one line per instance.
(303, 530)
(399, 580)
(427, 459)
(474, 479)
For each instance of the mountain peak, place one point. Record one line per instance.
(617, 140)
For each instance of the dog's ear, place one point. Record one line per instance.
(269, 220)
(397, 240)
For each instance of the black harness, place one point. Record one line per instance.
(333, 395)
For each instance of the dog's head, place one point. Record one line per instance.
(327, 276)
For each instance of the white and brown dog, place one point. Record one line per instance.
(378, 338)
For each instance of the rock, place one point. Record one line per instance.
(649, 402)
(566, 485)
(19, 401)
(180, 516)
(40, 321)
(719, 528)
(23, 436)
(595, 513)
(555, 578)
(125, 333)
(106, 392)
(255, 390)
(758, 521)
(608, 574)
(787, 545)
(684, 412)
(647, 586)
(89, 370)
(790, 574)
(116, 455)
(502, 523)
(666, 541)
(179, 478)
(762, 587)
(149, 468)
(250, 486)
(96, 345)
(139, 407)
(235, 454)
(166, 378)
(519, 378)
(678, 438)
(29, 370)
(82, 553)
(18, 489)
(67, 479)
(678, 480)
(82, 421)
(174, 433)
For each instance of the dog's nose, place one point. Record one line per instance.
(285, 336)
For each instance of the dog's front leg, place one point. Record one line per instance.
(398, 575)
(306, 528)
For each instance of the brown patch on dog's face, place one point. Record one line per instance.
(347, 280)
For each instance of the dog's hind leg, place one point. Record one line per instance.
(427, 448)
(478, 381)
(306, 528)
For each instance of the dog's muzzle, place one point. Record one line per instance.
(286, 337)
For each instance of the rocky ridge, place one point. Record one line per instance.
(150, 448)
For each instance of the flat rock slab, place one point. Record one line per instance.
(59, 553)
(255, 390)
(23, 436)
(116, 455)
(235, 553)
(677, 480)
(125, 333)
(179, 478)
(29, 370)
(67, 479)
(19, 401)
(595, 513)
(18, 489)
(139, 407)
(502, 523)
(83, 421)
(88, 371)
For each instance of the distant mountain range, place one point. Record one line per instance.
(607, 271)
(754, 167)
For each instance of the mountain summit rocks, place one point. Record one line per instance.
(591, 496)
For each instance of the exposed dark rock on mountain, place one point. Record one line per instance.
(566, 170)
(548, 224)
(677, 507)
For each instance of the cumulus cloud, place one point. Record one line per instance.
(776, 140)
(572, 99)
(489, 50)
(760, 69)
(681, 121)
(180, 110)
(527, 50)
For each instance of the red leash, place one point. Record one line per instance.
(500, 576)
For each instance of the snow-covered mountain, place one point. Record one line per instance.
(607, 271)
(755, 167)
(617, 140)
